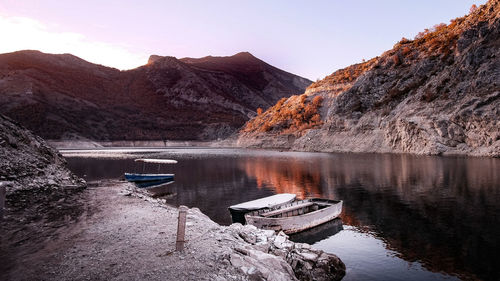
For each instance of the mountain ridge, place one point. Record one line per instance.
(61, 96)
(436, 94)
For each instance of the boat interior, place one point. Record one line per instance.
(295, 209)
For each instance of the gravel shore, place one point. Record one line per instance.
(110, 232)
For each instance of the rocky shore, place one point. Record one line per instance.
(55, 228)
(111, 232)
(28, 162)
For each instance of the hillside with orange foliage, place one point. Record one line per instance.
(341, 79)
(436, 94)
(294, 117)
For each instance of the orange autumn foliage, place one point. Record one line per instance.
(292, 116)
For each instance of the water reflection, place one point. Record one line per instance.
(154, 184)
(436, 213)
(441, 212)
(159, 188)
(285, 176)
(319, 232)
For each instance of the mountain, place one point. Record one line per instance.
(436, 94)
(64, 97)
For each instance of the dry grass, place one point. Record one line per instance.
(346, 75)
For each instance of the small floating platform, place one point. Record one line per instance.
(157, 161)
(238, 211)
(296, 216)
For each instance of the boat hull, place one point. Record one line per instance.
(297, 216)
(148, 177)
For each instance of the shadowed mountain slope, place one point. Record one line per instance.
(65, 97)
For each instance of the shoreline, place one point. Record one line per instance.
(109, 231)
(89, 144)
(234, 144)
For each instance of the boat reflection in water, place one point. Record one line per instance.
(155, 189)
(151, 184)
(319, 232)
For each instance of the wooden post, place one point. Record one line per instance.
(181, 229)
(3, 192)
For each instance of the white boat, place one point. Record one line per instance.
(238, 211)
(296, 216)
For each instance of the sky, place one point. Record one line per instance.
(308, 38)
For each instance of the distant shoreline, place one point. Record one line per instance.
(88, 144)
(268, 144)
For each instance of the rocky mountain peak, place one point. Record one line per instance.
(154, 58)
(163, 61)
(245, 55)
(239, 58)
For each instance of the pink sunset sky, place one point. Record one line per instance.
(308, 38)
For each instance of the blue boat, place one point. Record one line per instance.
(148, 177)
(145, 177)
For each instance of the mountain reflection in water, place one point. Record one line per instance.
(435, 213)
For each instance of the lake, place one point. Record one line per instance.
(405, 217)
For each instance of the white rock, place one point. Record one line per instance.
(309, 256)
(278, 241)
(261, 239)
(268, 233)
(250, 227)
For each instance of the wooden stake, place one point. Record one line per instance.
(181, 229)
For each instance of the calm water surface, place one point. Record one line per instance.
(404, 218)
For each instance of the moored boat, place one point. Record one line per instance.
(238, 211)
(145, 177)
(148, 177)
(296, 216)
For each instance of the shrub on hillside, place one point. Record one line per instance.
(288, 118)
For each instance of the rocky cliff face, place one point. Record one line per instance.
(28, 163)
(64, 97)
(436, 94)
